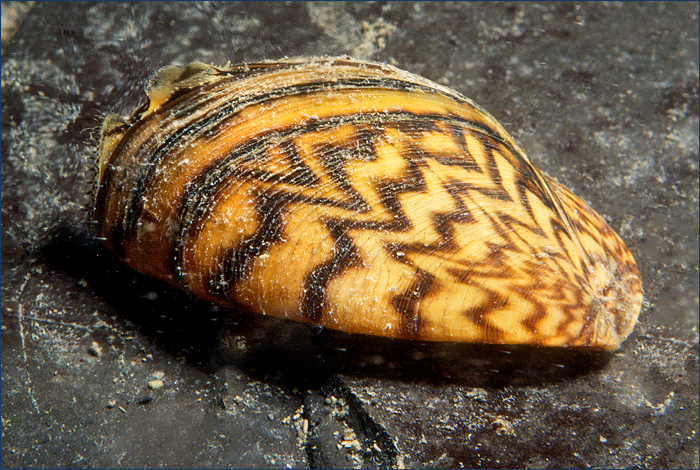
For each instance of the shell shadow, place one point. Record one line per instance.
(294, 354)
(297, 354)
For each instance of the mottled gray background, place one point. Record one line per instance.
(603, 96)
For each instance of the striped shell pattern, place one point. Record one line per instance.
(358, 197)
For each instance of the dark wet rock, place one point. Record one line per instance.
(604, 97)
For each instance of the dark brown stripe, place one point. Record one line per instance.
(236, 262)
(345, 256)
(466, 160)
(411, 122)
(198, 202)
(127, 224)
(407, 304)
(443, 223)
(531, 323)
(180, 108)
(511, 222)
(479, 315)
(333, 158)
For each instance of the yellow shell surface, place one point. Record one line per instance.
(359, 197)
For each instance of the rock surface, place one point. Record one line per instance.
(604, 97)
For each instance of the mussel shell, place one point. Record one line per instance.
(359, 197)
